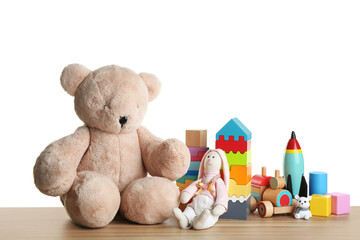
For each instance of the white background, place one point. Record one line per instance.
(276, 65)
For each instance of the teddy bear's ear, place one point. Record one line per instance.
(153, 84)
(72, 76)
(297, 197)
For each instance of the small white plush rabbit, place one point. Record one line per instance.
(303, 207)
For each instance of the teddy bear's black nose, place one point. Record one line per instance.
(123, 120)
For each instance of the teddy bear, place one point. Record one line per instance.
(303, 207)
(101, 170)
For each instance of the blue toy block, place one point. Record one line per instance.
(237, 210)
(192, 173)
(194, 166)
(234, 128)
(318, 183)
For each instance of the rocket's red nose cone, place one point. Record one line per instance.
(293, 144)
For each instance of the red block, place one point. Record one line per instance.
(198, 157)
(232, 145)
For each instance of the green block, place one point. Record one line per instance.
(238, 158)
(189, 177)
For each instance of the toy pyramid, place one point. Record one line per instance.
(235, 140)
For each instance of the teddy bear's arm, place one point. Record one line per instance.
(55, 168)
(165, 158)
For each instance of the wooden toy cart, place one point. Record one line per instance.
(268, 195)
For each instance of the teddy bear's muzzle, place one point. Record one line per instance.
(123, 120)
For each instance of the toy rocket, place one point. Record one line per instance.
(294, 168)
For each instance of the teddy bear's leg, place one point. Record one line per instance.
(149, 200)
(93, 200)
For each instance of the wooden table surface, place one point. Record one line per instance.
(53, 223)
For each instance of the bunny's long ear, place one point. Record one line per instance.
(72, 76)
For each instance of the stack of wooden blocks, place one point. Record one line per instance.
(196, 141)
(235, 140)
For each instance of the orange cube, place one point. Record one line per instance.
(241, 174)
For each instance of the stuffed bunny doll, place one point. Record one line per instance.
(209, 193)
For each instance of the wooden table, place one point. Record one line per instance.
(53, 223)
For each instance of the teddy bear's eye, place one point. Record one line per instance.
(304, 201)
(208, 157)
(213, 156)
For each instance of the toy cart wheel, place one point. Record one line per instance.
(253, 204)
(265, 209)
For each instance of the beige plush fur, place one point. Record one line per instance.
(109, 157)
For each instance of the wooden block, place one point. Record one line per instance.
(189, 177)
(237, 210)
(241, 199)
(192, 172)
(234, 128)
(196, 151)
(320, 205)
(197, 158)
(184, 185)
(278, 197)
(196, 138)
(340, 203)
(317, 183)
(241, 174)
(194, 166)
(233, 145)
(239, 190)
(238, 158)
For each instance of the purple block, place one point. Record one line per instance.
(340, 203)
(194, 151)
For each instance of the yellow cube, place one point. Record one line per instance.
(239, 190)
(320, 205)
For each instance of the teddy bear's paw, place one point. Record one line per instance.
(93, 200)
(149, 200)
(173, 159)
(52, 176)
